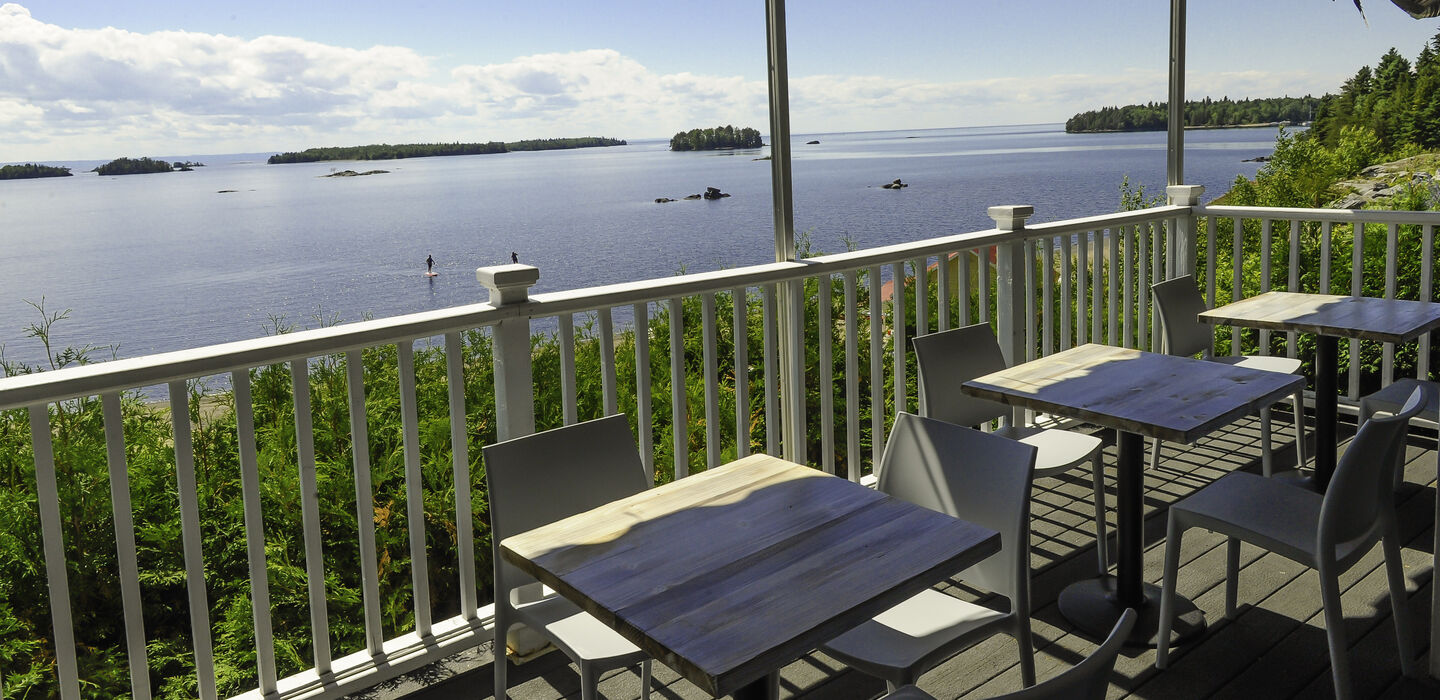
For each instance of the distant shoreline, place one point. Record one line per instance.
(1197, 127)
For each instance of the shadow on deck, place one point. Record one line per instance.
(1274, 648)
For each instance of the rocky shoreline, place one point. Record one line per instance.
(1384, 181)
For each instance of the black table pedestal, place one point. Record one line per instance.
(1094, 605)
(1326, 367)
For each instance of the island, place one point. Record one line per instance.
(720, 137)
(385, 151)
(32, 170)
(1199, 114)
(352, 173)
(133, 166)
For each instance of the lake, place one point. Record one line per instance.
(160, 262)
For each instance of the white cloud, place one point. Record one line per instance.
(81, 93)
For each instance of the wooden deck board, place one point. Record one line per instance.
(1274, 648)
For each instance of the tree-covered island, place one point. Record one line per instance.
(1199, 114)
(134, 166)
(715, 139)
(32, 170)
(385, 151)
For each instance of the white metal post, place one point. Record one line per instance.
(1175, 142)
(1185, 237)
(792, 406)
(1010, 289)
(1010, 282)
(514, 378)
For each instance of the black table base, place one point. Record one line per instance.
(1326, 367)
(1093, 605)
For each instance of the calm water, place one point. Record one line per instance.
(167, 261)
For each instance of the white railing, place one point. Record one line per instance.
(1322, 254)
(1047, 287)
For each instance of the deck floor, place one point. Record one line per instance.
(1274, 648)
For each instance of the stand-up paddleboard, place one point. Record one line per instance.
(432, 274)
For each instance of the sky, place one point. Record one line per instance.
(100, 79)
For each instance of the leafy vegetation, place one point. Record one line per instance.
(133, 166)
(715, 139)
(32, 170)
(26, 650)
(385, 151)
(1155, 116)
(1396, 100)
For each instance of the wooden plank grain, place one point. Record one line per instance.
(1366, 318)
(729, 574)
(1173, 398)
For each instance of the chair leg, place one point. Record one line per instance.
(1267, 460)
(645, 677)
(502, 627)
(1232, 575)
(1335, 633)
(589, 682)
(1102, 538)
(1173, 532)
(1027, 651)
(1155, 453)
(1399, 601)
(1299, 413)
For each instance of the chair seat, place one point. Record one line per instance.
(1058, 450)
(1268, 363)
(578, 633)
(1278, 515)
(1391, 398)
(923, 630)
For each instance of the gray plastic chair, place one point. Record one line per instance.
(1179, 304)
(971, 475)
(950, 358)
(1390, 400)
(536, 480)
(1327, 532)
(1087, 680)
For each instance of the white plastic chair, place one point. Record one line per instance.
(1390, 400)
(1179, 304)
(981, 478)
(950, 358)
(1087, 680)
(1327, 532)
(536, 480)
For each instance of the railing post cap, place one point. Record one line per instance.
(1011, 217)
(1185, 195)
(508, 284)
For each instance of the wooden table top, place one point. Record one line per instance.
(1367, 318)
(1177, 399)
(729, 574)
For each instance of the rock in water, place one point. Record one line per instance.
(897, 184)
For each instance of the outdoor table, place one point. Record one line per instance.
(1140, 395)
(730, 574)
(1330, 318)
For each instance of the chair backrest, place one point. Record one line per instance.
(540, 478)
(1362, 488)
(950, 358)
(1179, 304)
(1089, 679)
(974, 476)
